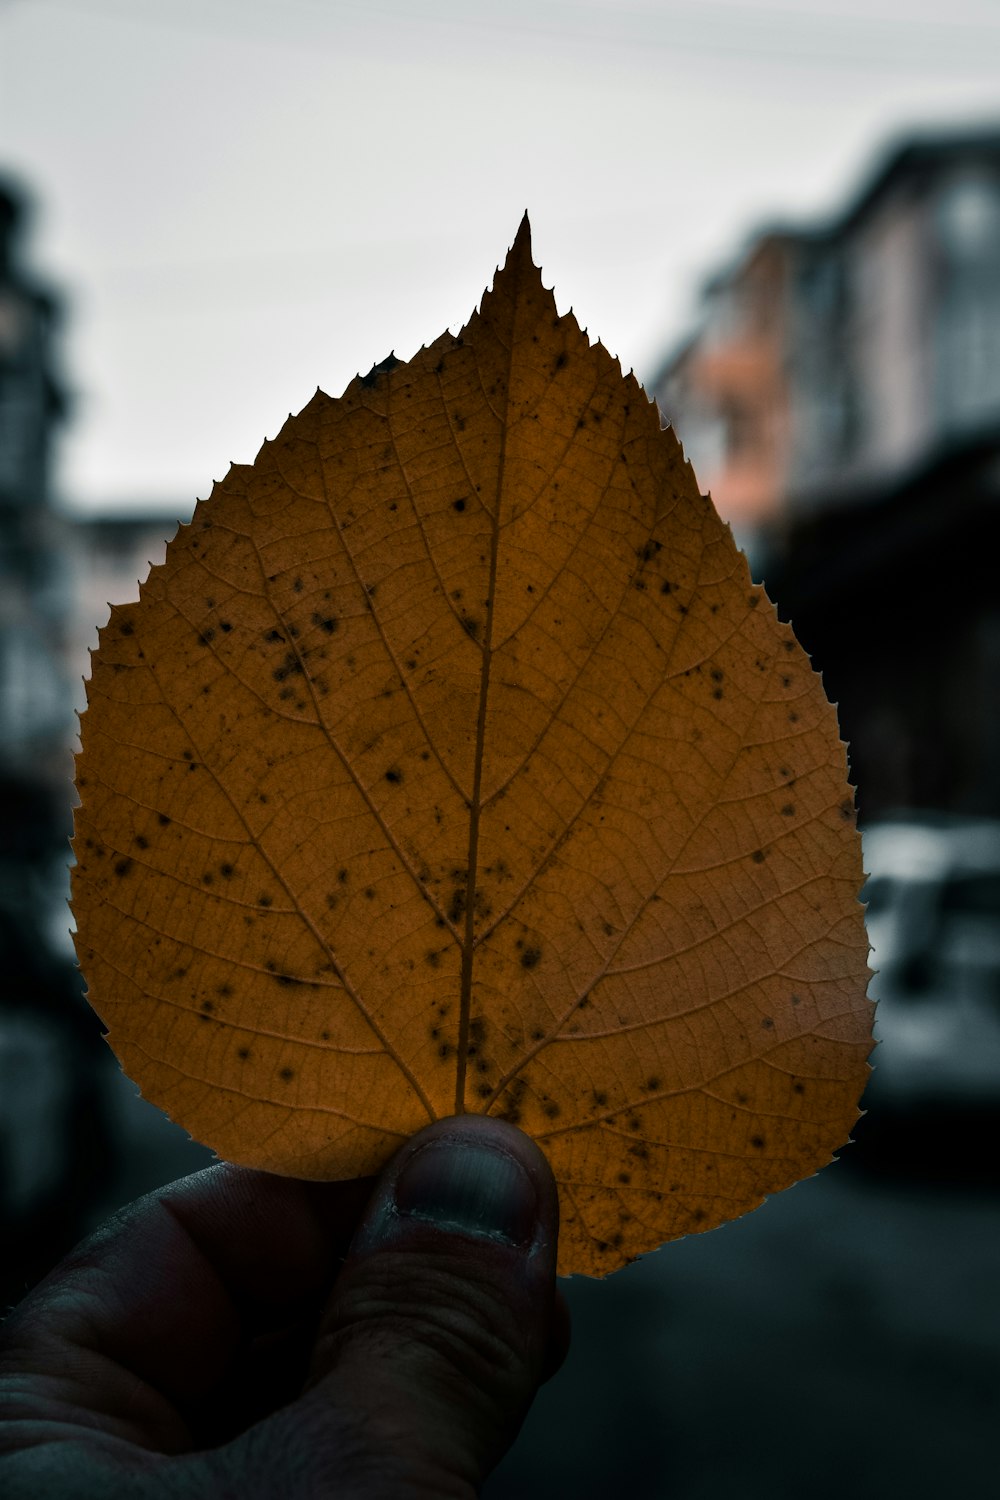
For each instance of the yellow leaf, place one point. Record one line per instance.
(451, 761)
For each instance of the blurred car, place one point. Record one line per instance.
(933, 894)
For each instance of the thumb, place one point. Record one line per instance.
(436, 1336)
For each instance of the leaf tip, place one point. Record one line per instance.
(520, 250)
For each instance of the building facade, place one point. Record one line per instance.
(841, 400)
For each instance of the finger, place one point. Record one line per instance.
(140, 1325)
(437, 1332)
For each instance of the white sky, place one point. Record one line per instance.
(243, 199)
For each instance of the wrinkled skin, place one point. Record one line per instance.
(238, 1334)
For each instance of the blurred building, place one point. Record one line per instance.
(841, 400)
(46, 1098)
(34, 592)
(71, 1131)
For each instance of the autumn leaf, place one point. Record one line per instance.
(451, 761)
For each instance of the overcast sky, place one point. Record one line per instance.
(243, 199)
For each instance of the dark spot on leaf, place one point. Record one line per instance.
(758, 1142)
(287, 1073)
(758, 856)
(122, 866)
(140, 841)
(288, 668)
(458, 505)
(243, 1053)
(768, 1023)
(163, 820)
(226, 871)
(652, 1084)
(456, 907)
(394, 775)
(127, 628)
(530, 958)
(788, 811)
(369, 893)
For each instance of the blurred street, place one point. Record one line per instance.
(842, 1340)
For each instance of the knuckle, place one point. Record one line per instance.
(447, 1321)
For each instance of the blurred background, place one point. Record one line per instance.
(786, 218)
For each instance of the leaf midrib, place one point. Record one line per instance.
(475, 803)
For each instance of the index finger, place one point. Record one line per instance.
(166, 1294)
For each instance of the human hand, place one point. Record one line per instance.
(212, 1339)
